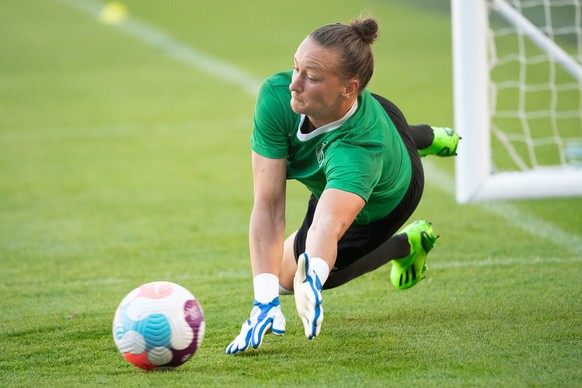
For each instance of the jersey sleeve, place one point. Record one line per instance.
(354, 168)
(269, 136)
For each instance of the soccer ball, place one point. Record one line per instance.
(158, 325)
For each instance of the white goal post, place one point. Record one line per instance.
(481, 119)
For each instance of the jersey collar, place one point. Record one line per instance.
(327, 127)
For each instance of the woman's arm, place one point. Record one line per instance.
(336, 210)
(267, 224)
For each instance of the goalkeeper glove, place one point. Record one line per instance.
(307, 287)
(265, 318)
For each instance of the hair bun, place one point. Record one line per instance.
(367, 29)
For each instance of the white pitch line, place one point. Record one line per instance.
(173, 48)
(230, 73)
(535, 226)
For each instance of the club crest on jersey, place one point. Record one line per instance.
(320, 152)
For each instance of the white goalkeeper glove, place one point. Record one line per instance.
(265, 318)
(307, 287)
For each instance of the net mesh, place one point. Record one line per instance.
(536, 103)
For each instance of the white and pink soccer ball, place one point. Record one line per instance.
(158, 325)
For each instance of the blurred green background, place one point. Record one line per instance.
(125, 158)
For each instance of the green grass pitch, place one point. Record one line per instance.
(122, 162)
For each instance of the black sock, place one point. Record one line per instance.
(395, 247)
(422, 136)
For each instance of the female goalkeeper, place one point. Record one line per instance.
(361, 161)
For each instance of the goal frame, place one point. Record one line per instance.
(475, 179)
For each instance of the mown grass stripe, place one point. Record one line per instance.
(506, 262)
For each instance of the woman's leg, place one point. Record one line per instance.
(391, 246)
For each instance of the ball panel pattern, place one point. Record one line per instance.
(140, 360)
(195, 319)
(159, 324)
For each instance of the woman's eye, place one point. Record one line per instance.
(309, 77)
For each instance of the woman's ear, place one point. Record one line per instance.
(352, 88)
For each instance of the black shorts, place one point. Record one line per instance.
(360, 240)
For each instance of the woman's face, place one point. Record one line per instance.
(317, 90)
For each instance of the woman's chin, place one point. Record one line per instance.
(297, 107)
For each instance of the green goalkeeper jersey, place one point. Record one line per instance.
(361, 153)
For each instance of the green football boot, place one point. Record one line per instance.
(409, 270)
(444, 144)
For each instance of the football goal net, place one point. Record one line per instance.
(518, 98)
